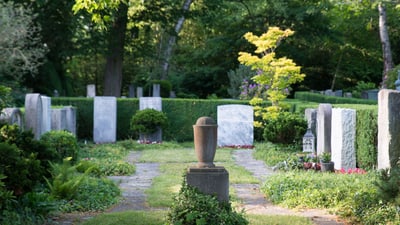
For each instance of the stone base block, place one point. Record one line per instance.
(213, 181)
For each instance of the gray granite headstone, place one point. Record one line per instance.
(339, 93)
(12, 116)
(131, 91)
(105, 120)
(91, 90)
(156, 90)
(139, 92)
(33, 114)
(46, 114)
(59, 119)
(329, 92)
(70, 119)
(388, 128)
(235, 125)
(311, 117)
(324, 118)
(151, 103)
(343, 138)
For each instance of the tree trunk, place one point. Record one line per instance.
(387, 54)
(172, 40)
(113, 70)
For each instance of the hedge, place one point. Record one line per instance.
(182, 115)
(315, 97)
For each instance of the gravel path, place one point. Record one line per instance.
(253, 201)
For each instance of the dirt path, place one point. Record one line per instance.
(253, 201)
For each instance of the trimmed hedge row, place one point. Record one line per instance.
(315, 97)
(182, 115)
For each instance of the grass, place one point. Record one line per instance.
(158, 218)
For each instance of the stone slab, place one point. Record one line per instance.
(388, 128)
(209, 181)
(46, 114)
(235, 125)
(33, 114)
(12, 116)
(105, 120)
(324, 120)
(58, 119)
(150, 103)
(343, 138)
(91, 90)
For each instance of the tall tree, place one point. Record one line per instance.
(386, 49)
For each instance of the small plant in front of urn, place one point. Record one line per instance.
(325, 157)
(148, 121)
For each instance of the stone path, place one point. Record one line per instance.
(253, 201)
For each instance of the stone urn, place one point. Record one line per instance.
(205, 141)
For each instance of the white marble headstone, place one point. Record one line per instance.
(58, 119)
(235, 125)
(150, 103)
(33, 114)
(91, 90)
(105, 120)
(46, 114)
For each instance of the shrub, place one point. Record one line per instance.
(22, 172)
(191, 207)
(62, 142)
(147, 121)
(286, 128)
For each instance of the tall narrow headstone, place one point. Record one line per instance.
(235, 125)
(151, 103)
(105, 120)
(343, 138)
(91, 90)
(46, 114)
(156, 90)
(131, 91)
(388, 128)
(324, 118)
(33, 114)
(139, 92)
(311, 117)
(12, 116)
(58, 119)
(70, 119)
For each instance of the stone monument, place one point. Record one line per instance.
(207, 177)
(33, 114)
(324, 118)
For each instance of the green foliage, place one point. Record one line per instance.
(286, 128)
(65, 180)
(147, 121)
(62, 142)
(367, 137)
(165, 87)
(388, 185)
(5, 97)
(6, 196)
(92, 194)
(236, 77)
(325, 157)
(362, 86)
(316, 97)
(22, 171)
(277, 73)
(191, 207)
(393, 75)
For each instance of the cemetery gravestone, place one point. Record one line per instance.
(131, 91)
(151, 103)
(33, 114)
(139, 92)
(46, 114)
(105, 120)
(156, 90)
(311, 117)
(343, 138)
(70, 119)
(12, 116)
(324, 119)
(388, 128)
(90, 90)
(235, 125)
(58, 119)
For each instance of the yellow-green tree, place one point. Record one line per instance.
(276, 73)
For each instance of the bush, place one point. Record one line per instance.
(191, 207)
(22, 172)
(286, 128)
(147, 121)
(62, 142)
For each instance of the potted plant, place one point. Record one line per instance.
(147, 122)
(326, 164)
